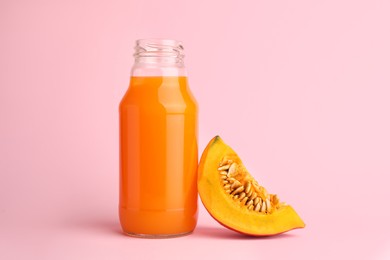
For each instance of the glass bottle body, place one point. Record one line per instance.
(158, 146)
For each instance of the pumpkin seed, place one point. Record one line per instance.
(224, 168)
(258, 206)
(244, 200)
(254, 195)
(236, 184)
(225, 162)
(268, 203)
(263, 207)
(231, 180)
(247, 187)
(232, 169)
(238, 190)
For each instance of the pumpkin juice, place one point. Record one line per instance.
(158, 154)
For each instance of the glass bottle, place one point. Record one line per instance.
(158, 144)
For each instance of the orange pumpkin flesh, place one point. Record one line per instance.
(228, 206)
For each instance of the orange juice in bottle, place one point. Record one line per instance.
(158, 144)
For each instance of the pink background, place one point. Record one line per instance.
(301, 89)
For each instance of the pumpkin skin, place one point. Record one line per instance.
(231, 213)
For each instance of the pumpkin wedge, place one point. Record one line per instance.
(235, 199)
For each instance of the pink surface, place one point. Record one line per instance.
(301, 89)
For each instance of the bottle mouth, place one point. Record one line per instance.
(166, 49)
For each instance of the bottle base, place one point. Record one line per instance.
(158, 223)
(157, 236)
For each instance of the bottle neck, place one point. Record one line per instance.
(158, 57)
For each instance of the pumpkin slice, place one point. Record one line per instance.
(235, 199)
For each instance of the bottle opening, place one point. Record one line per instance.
(159, 51)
